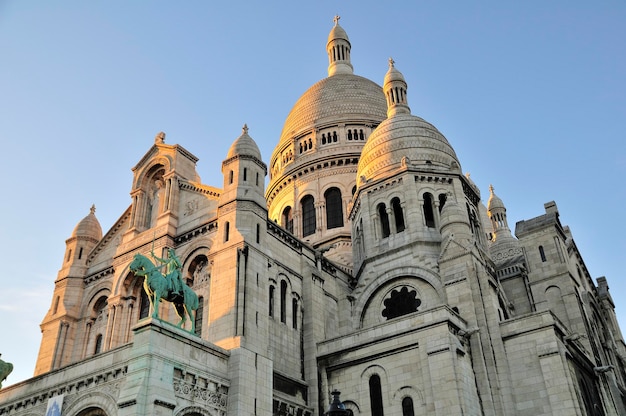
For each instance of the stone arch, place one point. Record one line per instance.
(93, 401)
(409, 391)
(195, 411)
(367, 374)
(353, 406)
(197, 265)
(160, 162)
(555, 302)
(417, 274)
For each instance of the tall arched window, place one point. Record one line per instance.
(334, 211)
(283, 301)
(271, 301)
(144, 304)
(398, 215)
(542, 253)
(442, 201)
(287, 219)
(429, 215)
(308, 215)
(294, 313)
(98, 347)
(376, 396)
(384, 220)
(407, 407)
(199, 314)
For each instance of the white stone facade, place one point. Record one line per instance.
(369, 265)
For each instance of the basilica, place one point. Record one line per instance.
(370, 265)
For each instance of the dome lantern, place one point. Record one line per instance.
(338, 48)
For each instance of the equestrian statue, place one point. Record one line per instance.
(5, 370)
(167, 286)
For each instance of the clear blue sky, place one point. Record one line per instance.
(532, 95)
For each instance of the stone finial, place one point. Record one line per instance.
(244, 129)
(391, 62)
(92, 210)
(159, 138)
(336, 19)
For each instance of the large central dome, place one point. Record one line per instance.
(339, 97)
(313, 166)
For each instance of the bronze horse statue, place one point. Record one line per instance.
(158, 287)
(5, 370)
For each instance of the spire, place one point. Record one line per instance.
(497, 214)
(395, 91)
(338, 48)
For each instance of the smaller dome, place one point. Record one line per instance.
(89, 226)
(337, 32)
(393, 75)
(494, 200)
(244, 145)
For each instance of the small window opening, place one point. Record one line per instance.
(442, 201)
(384, 220)
(429, 215)
(542, 253)
(398, 215)
(283, 299)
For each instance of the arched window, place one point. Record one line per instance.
(308, 215)
(283, 301)
(287, 219)
(144, 304)
(199, 314)
(542, 253)
(376, 396)
(398, 215)
(442, 201)
(407, 407)
(384, 220)
(294, 313)
(98, 348)
(334, 211)
(271, 301)
(429, 216)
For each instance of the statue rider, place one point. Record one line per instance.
(173, 270)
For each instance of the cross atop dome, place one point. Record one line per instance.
(336, 19)
(391, 62)
(244, 129)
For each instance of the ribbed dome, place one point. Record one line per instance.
(337, 33)
(244, 145)
(494, 200)
(88, 226)
(333, 99)
(405, 139)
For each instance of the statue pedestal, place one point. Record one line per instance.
(165, 365)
